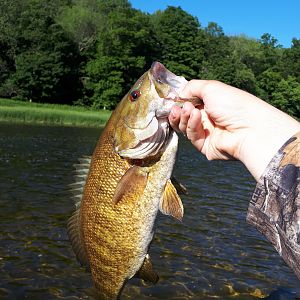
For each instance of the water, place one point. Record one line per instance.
(213, 253)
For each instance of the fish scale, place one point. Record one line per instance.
(99, 216)
(125, 186)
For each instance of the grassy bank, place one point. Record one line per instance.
(50, 114)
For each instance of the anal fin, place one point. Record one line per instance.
(146, 272)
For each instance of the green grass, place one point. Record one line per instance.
(51, 114)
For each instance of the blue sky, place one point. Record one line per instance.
(253, 17)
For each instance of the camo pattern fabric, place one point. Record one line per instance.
(275, 205)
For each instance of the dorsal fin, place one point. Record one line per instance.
(81, 173)
(76, 239)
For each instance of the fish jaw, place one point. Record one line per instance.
(168, 85)
(143, 127)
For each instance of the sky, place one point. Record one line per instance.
(280, 18)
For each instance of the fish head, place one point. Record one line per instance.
(142, 128)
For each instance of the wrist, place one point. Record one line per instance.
(262, 141)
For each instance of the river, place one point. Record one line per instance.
(212, 253)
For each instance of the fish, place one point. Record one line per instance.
(128, 179)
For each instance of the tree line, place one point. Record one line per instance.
(90, 52)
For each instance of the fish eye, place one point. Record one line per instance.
(134, 95)
(159, 80)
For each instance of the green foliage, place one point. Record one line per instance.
(217, 63)
(125, 47)
(268, 81)
(105, 81)
(44, 59)
(245, 79)
(178, 32)
(247, 51)
(83, 20)
(290, 64)
(10, 11)
(286, 96)
(272, 52)
(90, 52)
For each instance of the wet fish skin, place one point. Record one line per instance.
(126, 185)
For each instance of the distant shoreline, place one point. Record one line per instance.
(24, 112)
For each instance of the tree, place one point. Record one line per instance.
(290, 65)
(214, 30)
(268, 82)
(245, 79)
(178, 34)
(125, 47)
(268, 41)
(287, 96)
(247, 51)
(45, 58)
(10, 12)
(272, 53)
(83, 20)
(218, 62)
(92, 51)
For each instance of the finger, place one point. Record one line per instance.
(195, 88)
(174, 117)
(195, 131)
(184, 116)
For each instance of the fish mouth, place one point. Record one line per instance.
(169, 87)
(152, 134)
(163, 76)
(167, 84)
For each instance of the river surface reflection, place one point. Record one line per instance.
(213, 253)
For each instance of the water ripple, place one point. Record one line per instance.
(213, 253)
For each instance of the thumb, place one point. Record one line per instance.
(194, 88)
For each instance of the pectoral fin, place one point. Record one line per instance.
(132, 183)
(171, 203)
(146, 272)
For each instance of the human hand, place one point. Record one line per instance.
(232, 124)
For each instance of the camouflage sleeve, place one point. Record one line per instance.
(275, 205)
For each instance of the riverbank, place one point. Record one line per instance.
(51, 114)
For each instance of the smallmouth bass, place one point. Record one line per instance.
(126, 181)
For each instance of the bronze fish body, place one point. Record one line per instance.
(124, 184)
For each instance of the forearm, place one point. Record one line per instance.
(275, 205)
(271, 129)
